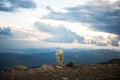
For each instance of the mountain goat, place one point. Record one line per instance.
(59, 56)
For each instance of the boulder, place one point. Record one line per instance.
(64, 78)
(45, 68)
(59, 67)
(20, 67)
(71, 65)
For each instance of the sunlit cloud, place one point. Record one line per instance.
(87, 23)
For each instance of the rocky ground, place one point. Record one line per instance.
(104, 71)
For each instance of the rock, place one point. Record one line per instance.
(71, 65)
(38, 69)
(64, 78)
(20, 67)
(30, 71)
(13, 70)
(59, 67)
(13, 73)
(55, 75)
(45, 68)
(9, 69)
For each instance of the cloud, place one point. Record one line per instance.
(106, 43)
(118, 38)
(101, 41)
(59, 34)
(98, 43)
(114, 43)
(102, 15)
(12, 5)
(5, 31)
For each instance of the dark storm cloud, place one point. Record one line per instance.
(12, 5)
(5, 31)
(59, 34)
(100, 14)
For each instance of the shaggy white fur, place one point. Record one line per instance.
(59, 56)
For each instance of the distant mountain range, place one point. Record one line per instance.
(113, 61)
(33, 57)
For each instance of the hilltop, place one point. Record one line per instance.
(104, 71)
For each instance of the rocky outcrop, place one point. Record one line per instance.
(71, 65)
(44, 68)
(20, 67)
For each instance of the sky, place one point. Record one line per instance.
(93, 24)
